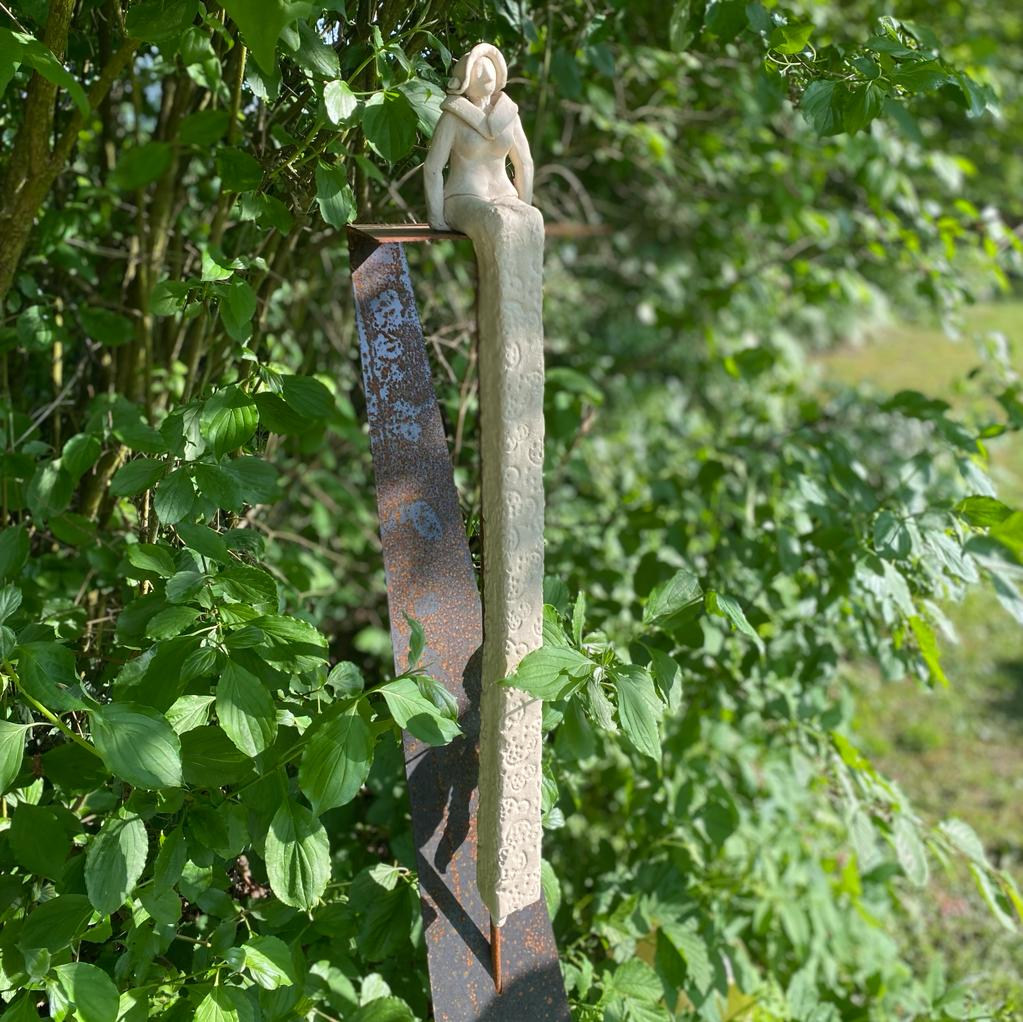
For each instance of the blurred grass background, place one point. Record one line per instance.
(955, 751)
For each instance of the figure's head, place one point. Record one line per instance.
(482, 79)
(480, 73)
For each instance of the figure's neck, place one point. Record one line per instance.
(483, 102)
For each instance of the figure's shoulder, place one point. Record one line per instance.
(467, 112)
(506, 105)
(504, 112)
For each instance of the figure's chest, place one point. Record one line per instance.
(471, 144)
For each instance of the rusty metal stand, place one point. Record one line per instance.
(430, 576)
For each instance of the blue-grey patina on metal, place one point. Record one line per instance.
(430, 576)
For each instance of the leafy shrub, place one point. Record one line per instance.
(203, 800)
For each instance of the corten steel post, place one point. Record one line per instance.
(430, 576)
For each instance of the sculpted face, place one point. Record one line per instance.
(482, 80)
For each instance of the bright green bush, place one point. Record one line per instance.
(204, 812)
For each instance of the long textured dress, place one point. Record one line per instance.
(508, 237)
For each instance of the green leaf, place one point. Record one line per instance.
(639, 709)
(205, 541)
(867, 67)
(334, 195)
(151, 558)
(137, 744)
(74, 529)
(792, 38)
(675, 600)
(246, 710)
(225, 1004)
(80, 453)
(21, 48)
(313, 54)
(390, 124)
(412, 711)
(384, 1009)
(174, 497)
(680, 30)
(137, 434)
(90, 990)
(237, 170)
(336, 762)
(136, 476)
(204, 127)
(416, 642)
(910, 851)
(851, 756)
(54, 924)
(822, 106)
(637, 981)
(963, 836)
(307, 396)
(10, 601)
(114, 861)
(229, 419)
(726, 18)
(255, 479)
(245, 584)
(687, 940)
(862, 105)
(39, 839)
(276, 415)
(14, 547)
(339, 100)
(171, 622)
(269, 962)
(928, 644)
(729, 607)
(12, 749)
(291, 642)
(920, 76)
(49, 491)
(237, 307)
(297, 856)
(170, 859)
(550, 671)
(168, 297)
(996, 899)
(1009, 532)
(982, 512)
(107, 327)
(261, 23)
(346, 679)
(387, 902)
(214, 265)
(218, 486)
(47, 672)
(160, 21)
(141, 165)
(551, 887)
(24, 1008)
(892, 538)
(208, 755)
(189, 711)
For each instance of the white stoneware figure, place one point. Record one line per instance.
(479, 132)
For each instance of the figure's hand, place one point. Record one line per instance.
(439, 225)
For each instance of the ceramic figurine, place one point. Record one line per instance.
(478, 134)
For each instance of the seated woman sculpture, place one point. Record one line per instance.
(479, 132)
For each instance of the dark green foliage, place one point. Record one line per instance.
(203, 803)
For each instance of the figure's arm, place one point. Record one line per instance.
(522, 161)
(436, 160)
